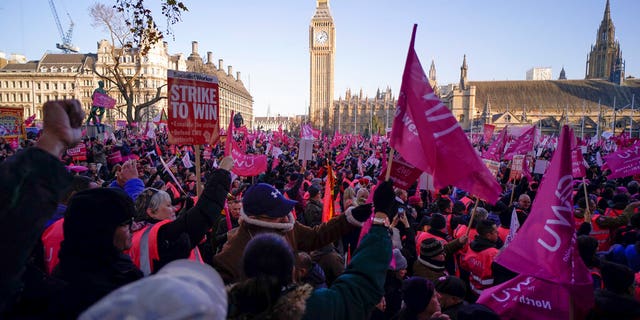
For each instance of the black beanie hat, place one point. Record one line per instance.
(438, 221)
(417, 293)
(476, 312)
(452, 286)
(269, 255)
(92, 218)
(430, 248)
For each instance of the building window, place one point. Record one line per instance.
(46, 86)
(54, 69)
(63, 69)
(64, 86)
(43, 69)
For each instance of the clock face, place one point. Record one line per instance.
(321, 37)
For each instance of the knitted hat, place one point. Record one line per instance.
(417, 293)
(92, 218)
(438, 221)
(430, 248)
(401, 261)
(452, 286)
(264, 199)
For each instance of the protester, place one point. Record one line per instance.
(160, 237)
(477, 261)
(420, 300)
(234, 207)
(616, 300)
(33, 182)
(268, 291)
(265, 209)
(313, 209)
(97, 231)
(451, 292)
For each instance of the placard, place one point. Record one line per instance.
(193, 107)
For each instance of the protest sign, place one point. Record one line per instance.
(193, 108)
(11, 123)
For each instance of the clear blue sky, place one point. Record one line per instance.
(267, 41)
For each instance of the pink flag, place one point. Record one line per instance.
(577, 164)
(343, 154)
(624, 162)
(497, 146)
(545, 253)
(247, 165)
(306, 132)
(488, 132)
(522, 145)
(429, 137)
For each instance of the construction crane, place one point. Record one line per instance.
(66, 45)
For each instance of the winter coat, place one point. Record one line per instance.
(228, 262)
(354, 293)
(313, 213)
(32, 183)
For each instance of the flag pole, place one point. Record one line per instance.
(587, 210)
(198, 170)
(473, 215)
(386, 176)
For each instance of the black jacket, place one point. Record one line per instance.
(31, 184)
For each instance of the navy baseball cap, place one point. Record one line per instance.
(264, 199)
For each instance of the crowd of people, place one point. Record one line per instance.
(94, 236)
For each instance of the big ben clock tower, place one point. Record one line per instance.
(322, 52)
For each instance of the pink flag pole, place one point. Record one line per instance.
(386, 176)
(587, 210)
(473, 215)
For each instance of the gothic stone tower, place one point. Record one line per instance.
(322, 43)
(605, 59)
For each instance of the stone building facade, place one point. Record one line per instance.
(28, 84)
(604, 101)
(322, 46)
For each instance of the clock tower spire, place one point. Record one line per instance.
(322, 56)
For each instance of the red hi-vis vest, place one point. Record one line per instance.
(51, 239)
(144, 249)
(600, 234)
(422, 236)
(610, 212)
(479, 266)
(503, 232)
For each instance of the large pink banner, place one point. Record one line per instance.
(625, 162)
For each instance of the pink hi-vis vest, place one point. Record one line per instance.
(144, 249)
(51, 239)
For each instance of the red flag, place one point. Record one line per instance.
(306, 132)
(545, 254)
(246, 165)
(429, 137)
(158, 150)
(522, 145)
(327, 201)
